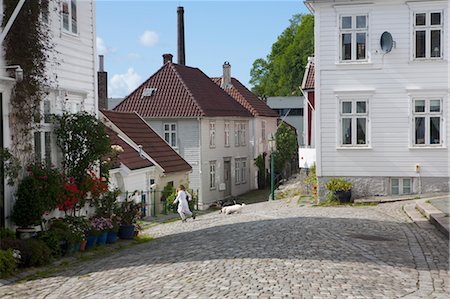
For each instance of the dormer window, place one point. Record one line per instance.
(353, 38)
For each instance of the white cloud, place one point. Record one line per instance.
(101, 46)
(149, 38)
(123, 84)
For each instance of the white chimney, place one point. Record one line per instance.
(226, 78)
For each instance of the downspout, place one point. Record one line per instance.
(200, 162)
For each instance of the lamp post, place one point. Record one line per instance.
(272, 171)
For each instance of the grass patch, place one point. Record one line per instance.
(170, 220)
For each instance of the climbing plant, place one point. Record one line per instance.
(27, 44)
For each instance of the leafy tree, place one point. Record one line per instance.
(281, 73)
(286, 143)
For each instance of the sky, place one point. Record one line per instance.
(133, 35)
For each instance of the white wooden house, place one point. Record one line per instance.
(382, 107)
(201, 122)
(71, 69)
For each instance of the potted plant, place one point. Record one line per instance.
(37, 193)
(340, 188)
(100, 227)
(129, 212)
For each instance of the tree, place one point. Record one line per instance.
(286, 144)
(281, 73)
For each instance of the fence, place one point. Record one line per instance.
(154, 202)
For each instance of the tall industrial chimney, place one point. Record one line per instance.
(181, 50)
(102, 81)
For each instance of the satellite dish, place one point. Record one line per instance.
(386, 42)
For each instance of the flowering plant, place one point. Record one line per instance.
(99, 224)
(129, 211)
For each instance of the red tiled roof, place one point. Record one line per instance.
(181, 91)
(140, 132)
(246, 98)
(308, 81)
(129, 157)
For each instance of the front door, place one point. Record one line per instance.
(227, 177)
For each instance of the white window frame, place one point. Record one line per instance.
(353, 116)
(227, 134)
(172, 141)
(212, 134)
(46, 136)
(427, 28)
(427, 115)
(70, 14)
(240, 132)
(240, 171)
(401, 185)
(263, 131)
(212, 175)
(354, 31)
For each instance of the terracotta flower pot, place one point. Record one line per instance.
(83, 245)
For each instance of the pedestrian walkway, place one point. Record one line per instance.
(273, 249)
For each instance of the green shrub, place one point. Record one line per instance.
(32, 252)
(338, 184)
(7, 263)
(52, 239)
(7, 233)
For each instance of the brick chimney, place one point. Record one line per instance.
(167, 58)
(226, 78)
(102, 81)
(181, 50)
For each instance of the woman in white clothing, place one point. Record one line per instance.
(182, 199)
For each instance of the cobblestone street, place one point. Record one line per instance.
(270, 250)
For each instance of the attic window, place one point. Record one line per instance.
(148, 92)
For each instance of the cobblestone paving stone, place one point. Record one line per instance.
(270, 250)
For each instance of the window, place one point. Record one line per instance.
(263, 130)
(353, 38)
(428, 35)
(69, 16)
(45, 11)
(427, 122)
(170, 134)
(227, 133)
(401, 186)
(43, 147)
(239, 133)
(354, 119)
(212, 134)
(212, 174)
(240, 170)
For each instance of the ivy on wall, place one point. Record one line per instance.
(27, 44)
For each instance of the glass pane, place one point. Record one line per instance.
(174, 127)
(346, 23)
(420, 130)
(436, 18)
(406, 186)
(419, 106)
(166, 127)
(174, 139)
(361, 130)
(420, 19)
(361, 107)
(435, 106)
(346, 107)
(346, 131)
(48, 148)
(361, 22)
(65, 14)
(47, 112)
(435, 43)
(167, 137)
(360, 45)
(420, 44)
(435, 126)
(346, 46)
(37, 146)
(394, 186)
(74, 16)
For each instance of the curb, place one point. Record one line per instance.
(435, 216)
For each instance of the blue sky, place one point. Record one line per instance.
(133, 35)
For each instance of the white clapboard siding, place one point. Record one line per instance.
(390, 80)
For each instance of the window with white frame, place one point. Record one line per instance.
(69, 16)
(427, 122)
(170, 134)
(401, 186)
(240, 170)
(43, 137)
(227, 133)
(354, 122)
(212, 134)
(428, 35)
(240, 130)
(353, 37)
(212, 174)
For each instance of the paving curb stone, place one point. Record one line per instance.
(434, 215)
